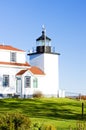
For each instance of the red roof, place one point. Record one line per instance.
(21, 72)
(16, 64)
(33, 69)
(7, 47)
(36, 70)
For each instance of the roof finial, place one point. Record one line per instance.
(43, 30)
(43, 27)
(43, 38)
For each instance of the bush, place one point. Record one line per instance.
(48, 127)
(14, 122)
(81, 97)
(36, 126)
(37, 94)
(80, 125)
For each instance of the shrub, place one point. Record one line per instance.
(36, 126)
(48, 127)
(81, 97)
(37, 94)
(80, 125)
(14, 122)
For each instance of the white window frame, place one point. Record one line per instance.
(13, 56)
(5, 80)
(27, 81)
(35, 83)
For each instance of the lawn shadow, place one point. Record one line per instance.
(37, 108)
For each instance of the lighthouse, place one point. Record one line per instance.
(45, 58)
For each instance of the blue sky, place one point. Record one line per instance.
(65, 21)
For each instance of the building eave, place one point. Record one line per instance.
(35, 53)
(10, 48)
(14, 64)
(33, 70)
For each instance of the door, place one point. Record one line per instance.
(18, 85)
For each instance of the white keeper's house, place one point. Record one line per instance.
(41, 74)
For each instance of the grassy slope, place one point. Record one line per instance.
(60, 112)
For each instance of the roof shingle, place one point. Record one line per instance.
(36, 70)
(15, 64)
(21, 72)
(8, 47)
(33, 69)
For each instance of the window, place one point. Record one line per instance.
(13, 56)
(27, 81)
(35, 83)
(5, 80)
(18, 85)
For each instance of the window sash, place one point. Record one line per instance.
(27, 81)
(5, 80)
(35, 83)
(13, 56)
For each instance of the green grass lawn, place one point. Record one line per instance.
(62, 112)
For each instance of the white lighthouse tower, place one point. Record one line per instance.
(47, 60)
